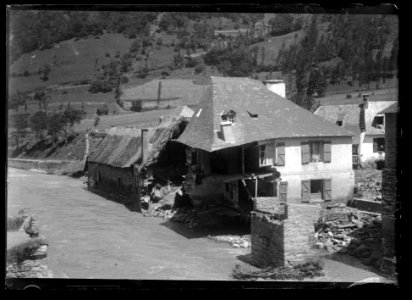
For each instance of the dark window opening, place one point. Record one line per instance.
(339, 123)
(119, 182)
(354, 149)
(316, 187)
(378, 144)
(379, 120)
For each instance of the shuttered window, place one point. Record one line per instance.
(305, 153)
(327, 152)
(280, 154)
(305, 191)
(327, 189)
(283, 191)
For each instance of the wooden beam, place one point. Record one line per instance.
(243, 160)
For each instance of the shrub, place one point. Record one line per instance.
(199, 68)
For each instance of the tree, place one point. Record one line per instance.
(281, 24)
(38, 123)
(42, 98)
(71, 117)
(20, 124)
(44, 72)
(56, 123)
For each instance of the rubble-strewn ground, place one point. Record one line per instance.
(369, 184)
(349, 231)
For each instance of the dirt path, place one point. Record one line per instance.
(91, 237)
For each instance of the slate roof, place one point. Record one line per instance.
(394, 108)
(277, 116)
(350, 114)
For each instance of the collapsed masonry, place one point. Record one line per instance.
(282, 234)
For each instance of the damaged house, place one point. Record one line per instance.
(245, 141)
(118, 167)
(367, 123)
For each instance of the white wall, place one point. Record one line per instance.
(341, 159)
(367, 149)
(339, 170)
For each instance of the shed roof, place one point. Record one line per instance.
(394, 108)
(277, 117)
(122, 146)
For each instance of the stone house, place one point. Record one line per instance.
(367, 123)
(246, 142)
(118, 167)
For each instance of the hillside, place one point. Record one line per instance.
(75, 60)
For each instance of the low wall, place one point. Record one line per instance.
(58, 167)
(279, 242)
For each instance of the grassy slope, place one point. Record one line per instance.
(71, 60)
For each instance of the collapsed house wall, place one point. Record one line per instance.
(119, 184)
(285, 238)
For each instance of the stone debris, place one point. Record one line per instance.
(369, 185)
(359, 234)
(236, 241)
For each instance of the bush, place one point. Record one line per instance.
(199, 69)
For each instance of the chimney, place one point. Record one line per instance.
(277, 86)
(227, 131)
(144, 143)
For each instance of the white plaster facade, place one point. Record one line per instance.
(338, 170)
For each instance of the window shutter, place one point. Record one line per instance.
(305, 153)
(305, 190)
(280, 154)
(327, 152)
(375, 146)
(283, 191)
(327, 189)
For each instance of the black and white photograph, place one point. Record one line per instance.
(202, 144)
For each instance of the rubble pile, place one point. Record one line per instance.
(369, 186)
(235, 241)
(350, 232)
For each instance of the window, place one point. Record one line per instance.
(355, 149)
(339, 123)
(378, 144)
(318, 189)
(262, 155)
(378, 121)
(266, 154)
(229, 116)
(119, 182)
(316, 151)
